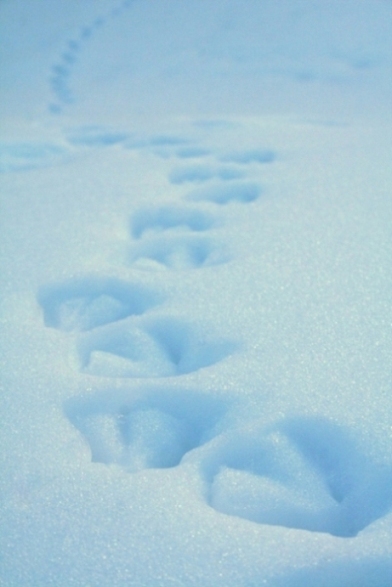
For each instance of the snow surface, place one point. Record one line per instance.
(196, 293)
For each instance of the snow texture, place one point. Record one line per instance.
(196, 286)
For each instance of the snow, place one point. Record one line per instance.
(196, 229)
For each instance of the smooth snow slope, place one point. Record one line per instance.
(196, 293)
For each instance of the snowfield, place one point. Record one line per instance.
(196, 274)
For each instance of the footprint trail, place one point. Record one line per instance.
(61, 71)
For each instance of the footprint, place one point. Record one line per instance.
(223, 194)
(164, 141)
(26, 156)
(95, 136)
(178, 252)
(155, 430)
(249, 156)
(164, 146)
(202, 173)
(59, 82)
(215, 124)
(69, 56)
(169, 218)
(192, 152)
(86, 303)
(306, 473)
(150, 347)
(167, 140)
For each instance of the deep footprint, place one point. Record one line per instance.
(226, 193)
(178, 252)
(169, 218)
(150, 347)
(86, 303)
(155, 430)
(303, 474)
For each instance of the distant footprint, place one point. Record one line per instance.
(215, 124)
(167, 140)
(164, 145)
(168, 218)
(307, 473)
(150, 347)
(192, 152)
(177, 252)
(85, 303)
(153, 430)
(26, 156)
(222, 194)
(202, 173)
(249, 156)
(95, 136)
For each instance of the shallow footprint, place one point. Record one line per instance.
(178, 252)
(169, 218)
(192, 152)
(150, 347)
(222, 194)
(95, 136)
(26, 156)
(85, 303)
(248, 156)
(306, 473)
(154, 430)
(162, 145)
(202, 173)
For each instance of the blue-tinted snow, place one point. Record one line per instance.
(196, 293)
